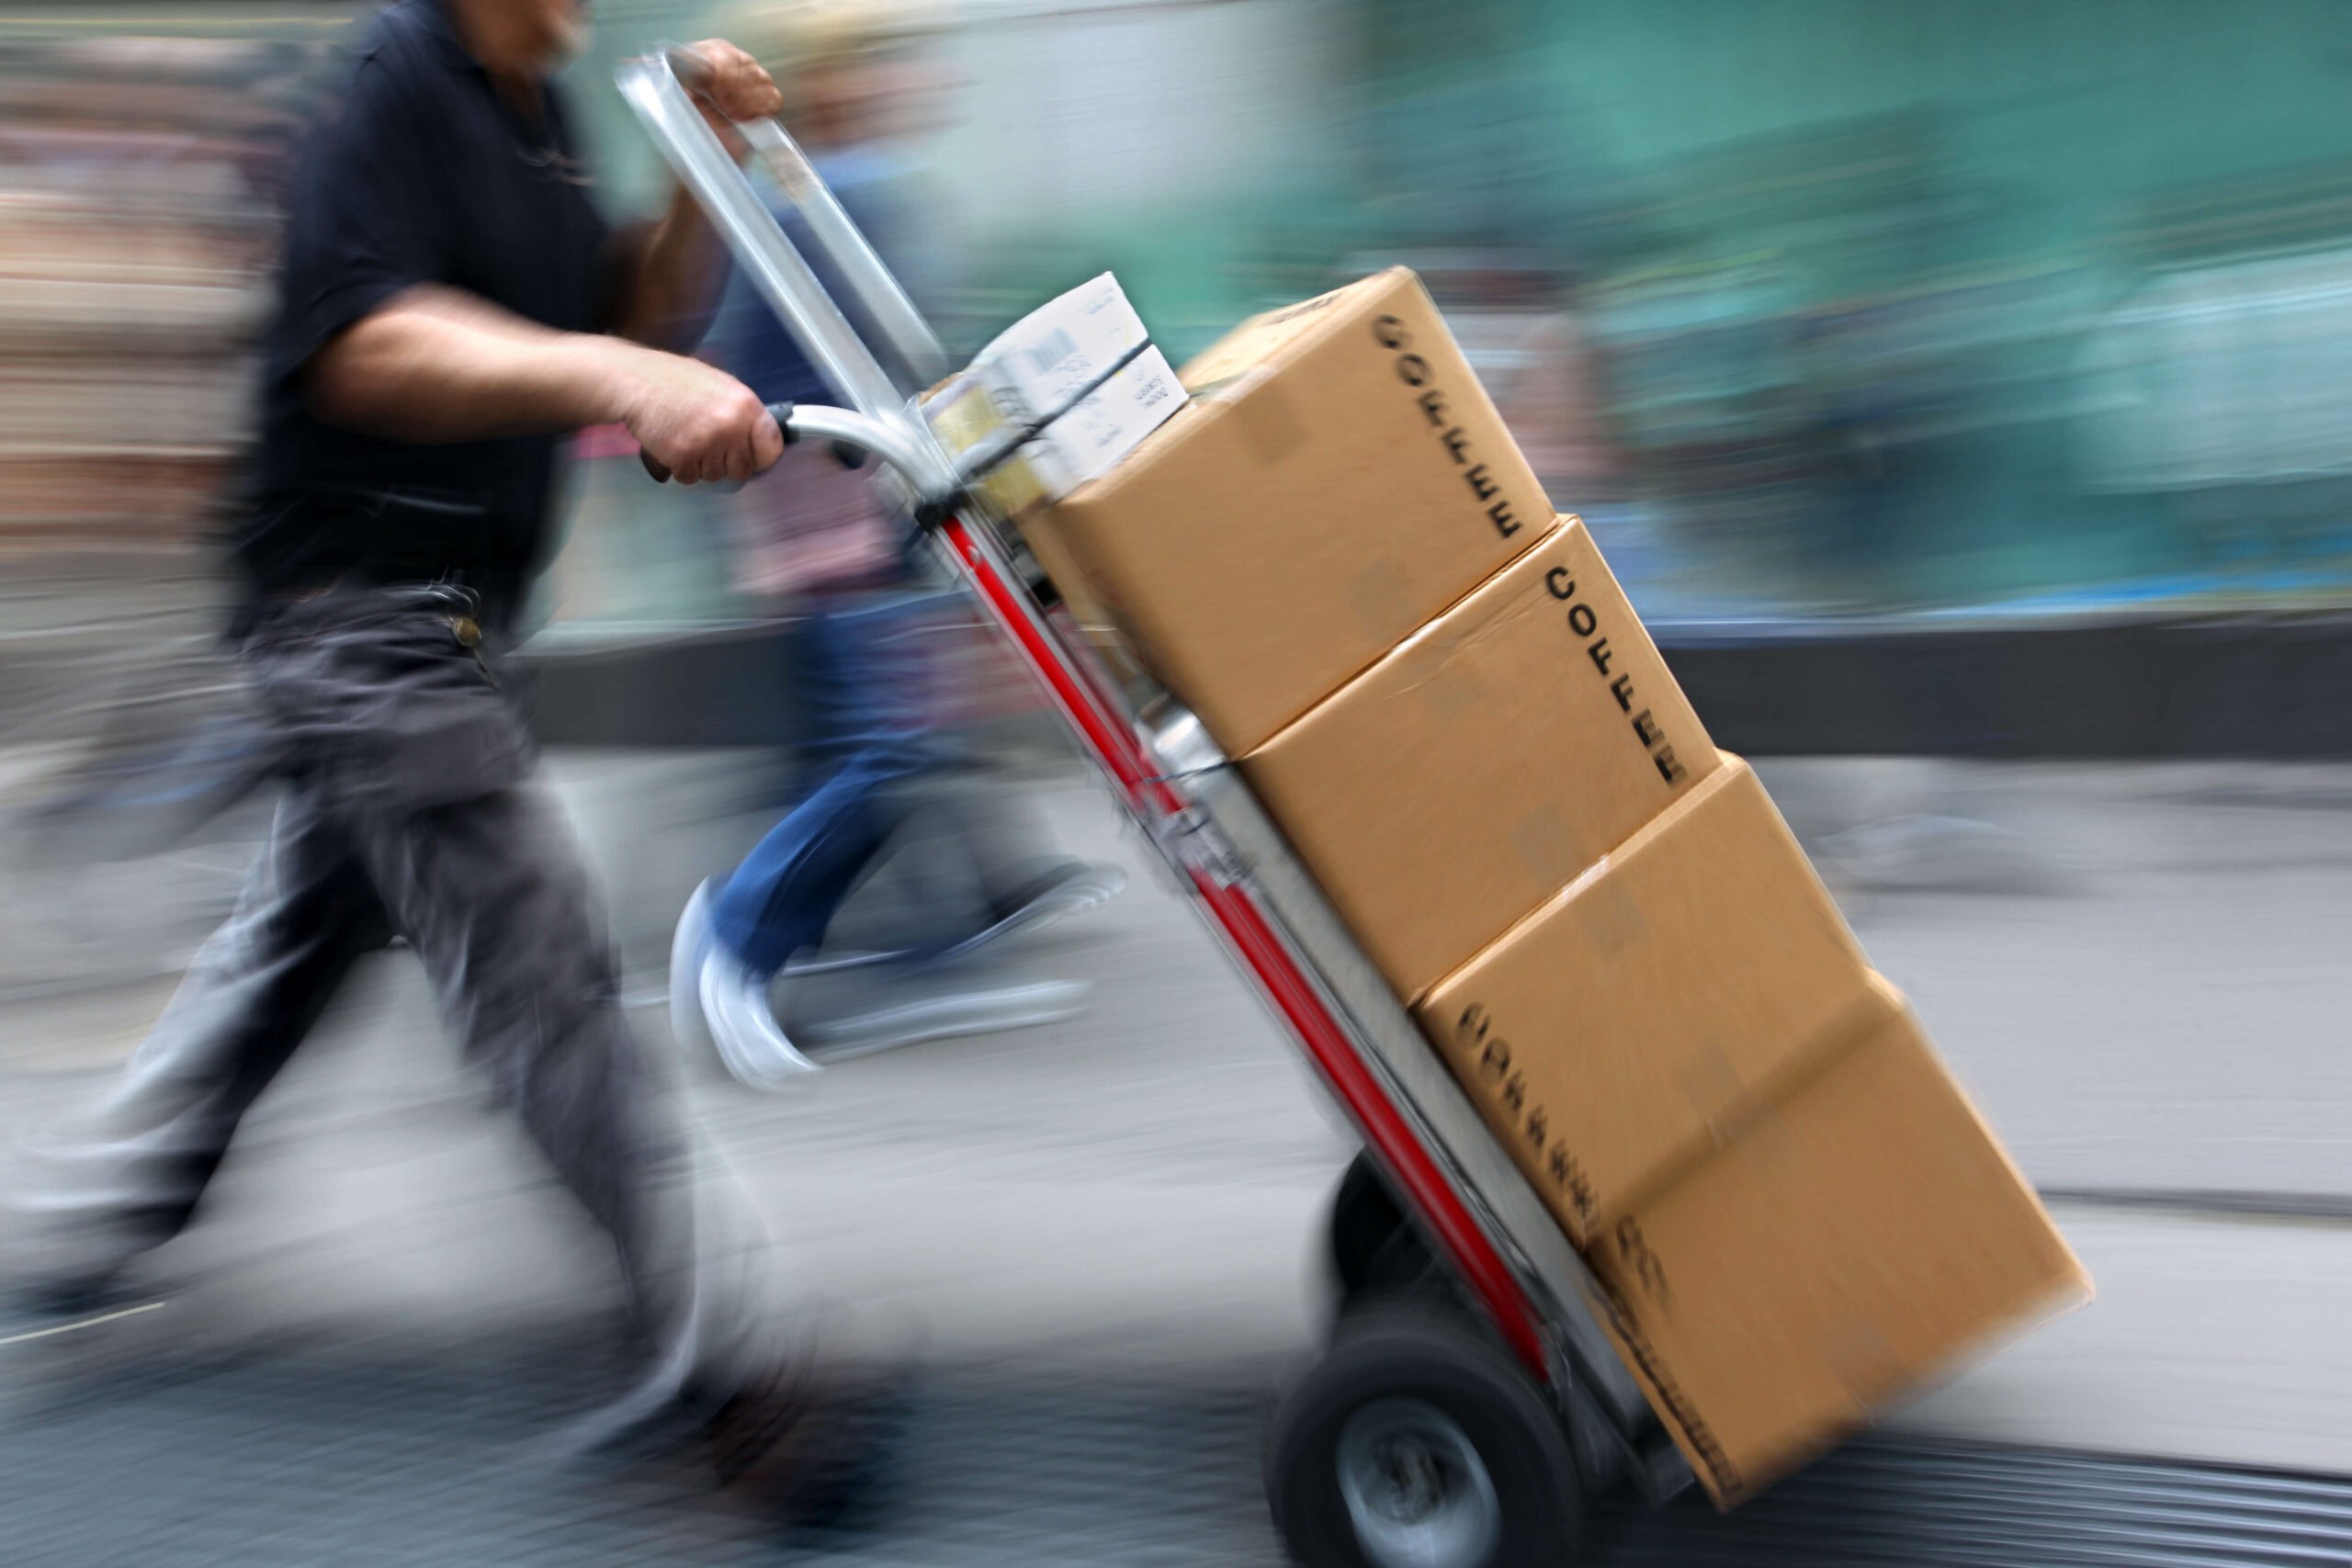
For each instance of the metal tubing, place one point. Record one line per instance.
(838, 240)
(777, 269)
(917, 461)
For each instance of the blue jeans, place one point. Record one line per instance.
(866, 741)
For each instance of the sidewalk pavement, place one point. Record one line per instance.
(2145, 996)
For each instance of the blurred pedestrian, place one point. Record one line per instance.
(451, 304)
(866, 630)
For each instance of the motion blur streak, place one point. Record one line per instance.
(1966, 382)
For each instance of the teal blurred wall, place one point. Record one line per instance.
(1922, 300)
(1852, 303)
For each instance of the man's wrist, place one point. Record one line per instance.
(605, 370)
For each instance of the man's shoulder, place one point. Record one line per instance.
(405, 27)
(397, 47)
(389, 77)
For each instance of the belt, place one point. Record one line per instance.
(451, 597)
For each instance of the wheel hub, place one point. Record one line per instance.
(1415, 1488)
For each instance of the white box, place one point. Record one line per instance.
(1104, 426)
(1032, 368)
(1038, 363)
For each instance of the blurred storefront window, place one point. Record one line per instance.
(1899, 304)
(1810, 305)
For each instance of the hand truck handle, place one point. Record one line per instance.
(775, 266)
(845, 427)
(838, 240)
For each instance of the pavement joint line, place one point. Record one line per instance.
(2190, 1200)
(78, 1324)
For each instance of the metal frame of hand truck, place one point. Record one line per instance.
(1475, 1210)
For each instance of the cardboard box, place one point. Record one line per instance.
(1338, 479)
(1088, 614)
(1623, 1031)
(1856, 1238)
(1485, 762)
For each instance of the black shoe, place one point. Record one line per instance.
(1063, 888)
(65, 1303)
(807, 1447)
(74, 1295)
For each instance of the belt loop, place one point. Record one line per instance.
(453, 586)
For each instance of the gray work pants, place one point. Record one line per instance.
(413, 807)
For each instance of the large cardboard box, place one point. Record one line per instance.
(1485, 762)
(1624, 1029)
(1338, 479)
(1862, 1234)
(1089, 617)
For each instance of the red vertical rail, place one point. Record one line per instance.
(1111, 739)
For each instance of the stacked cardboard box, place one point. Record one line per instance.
(1483, 761)
(1795, 1211)
(1335, 479)
(1336, 557)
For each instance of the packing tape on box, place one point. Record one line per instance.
(1612, 919)
(1381, 595)
(1274, 429)
(1856, 1352)
(1713, 1088)
(1545, 845)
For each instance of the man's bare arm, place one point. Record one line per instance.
(674, 274)
(438, 364)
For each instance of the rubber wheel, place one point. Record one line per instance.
(1374, 1249)
(1418, 1442)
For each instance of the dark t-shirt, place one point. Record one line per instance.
(417, 172)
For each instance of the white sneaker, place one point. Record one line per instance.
(942, 1012)
(688, 948)
(743, 1026)
(717, 1003)
(1067, 888)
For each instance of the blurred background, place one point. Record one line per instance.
(1813, 304)
(1964, 392)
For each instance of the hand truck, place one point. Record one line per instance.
(1470, 1399)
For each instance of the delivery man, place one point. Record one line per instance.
(450, 305)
